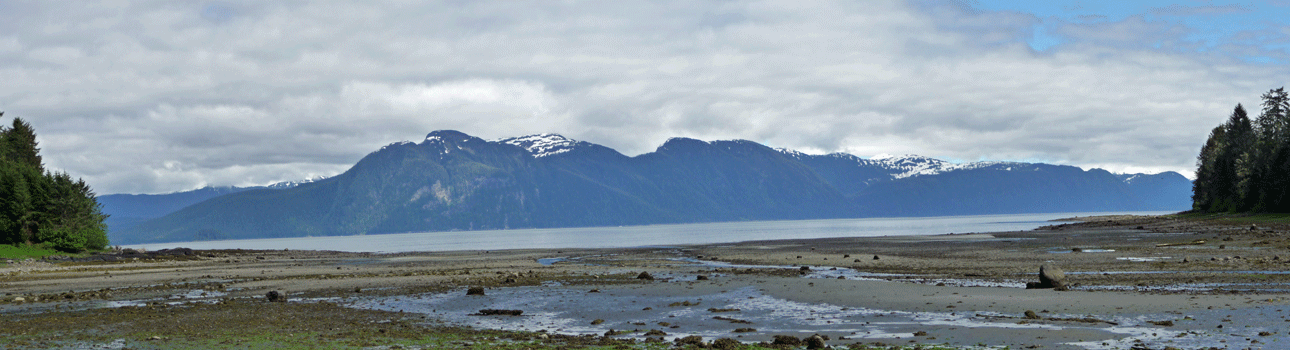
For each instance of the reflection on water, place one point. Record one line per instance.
(638, 236)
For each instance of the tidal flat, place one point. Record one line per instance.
(1133, 282)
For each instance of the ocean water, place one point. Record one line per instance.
(642, 236)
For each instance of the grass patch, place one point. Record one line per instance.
(23, 251)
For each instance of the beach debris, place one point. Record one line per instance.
(645, 276)
(815, 342)
(475, 291)
(275, 296)
(786, 340)
(713, 309)
(1049, 277)
(500, 312)
(726, 344)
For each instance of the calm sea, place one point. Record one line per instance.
(639, 236)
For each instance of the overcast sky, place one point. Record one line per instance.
(162, 96)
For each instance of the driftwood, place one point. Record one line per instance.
(1195, 242)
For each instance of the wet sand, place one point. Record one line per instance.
(957, 289)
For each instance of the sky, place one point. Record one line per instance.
(164, 96)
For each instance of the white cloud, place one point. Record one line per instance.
(155, 97)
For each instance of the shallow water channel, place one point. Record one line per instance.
(750, 314)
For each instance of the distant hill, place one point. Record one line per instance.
(454, 181)
(126, 210)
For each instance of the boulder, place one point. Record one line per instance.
(275, 296)
(726, 344)
(1049, 277)
(645, 276)
(475, 291)
(689, 340)
(786, 340)
(815, 342)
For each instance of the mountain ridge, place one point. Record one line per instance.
(455, 181)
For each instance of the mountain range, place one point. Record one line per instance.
(454, 181)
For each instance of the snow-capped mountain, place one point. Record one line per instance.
(542, 145)
(454, 181)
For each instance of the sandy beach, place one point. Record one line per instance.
(1133, 282)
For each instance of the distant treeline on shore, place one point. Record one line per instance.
(1245, 164)
(38, 206)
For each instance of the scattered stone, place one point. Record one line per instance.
(597, 321)
(920, 334)
(875, 257)
(655, 333)
(1031, 315)
(645, 276)
(358, 289)
(815, 342)
(1166, 323)
(275, 296)
(594, 291)
(1265, 333)
(857, 260)
(805, 269)
(701, 278)
(745, 330)
(713, 309)
(500, 312)
(475, 291)
(844, 256)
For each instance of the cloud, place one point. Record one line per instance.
(1183, 10)
(157, 97)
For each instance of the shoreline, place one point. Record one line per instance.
(970, 278)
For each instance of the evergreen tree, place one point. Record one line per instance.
(1274, 147)
(42, 207)
(1205, 190)
(20, 144)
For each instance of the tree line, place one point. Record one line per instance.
(40, 206)
(1244, 166)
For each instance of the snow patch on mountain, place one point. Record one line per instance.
(542, 145)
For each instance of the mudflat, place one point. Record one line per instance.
(1130, 281)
